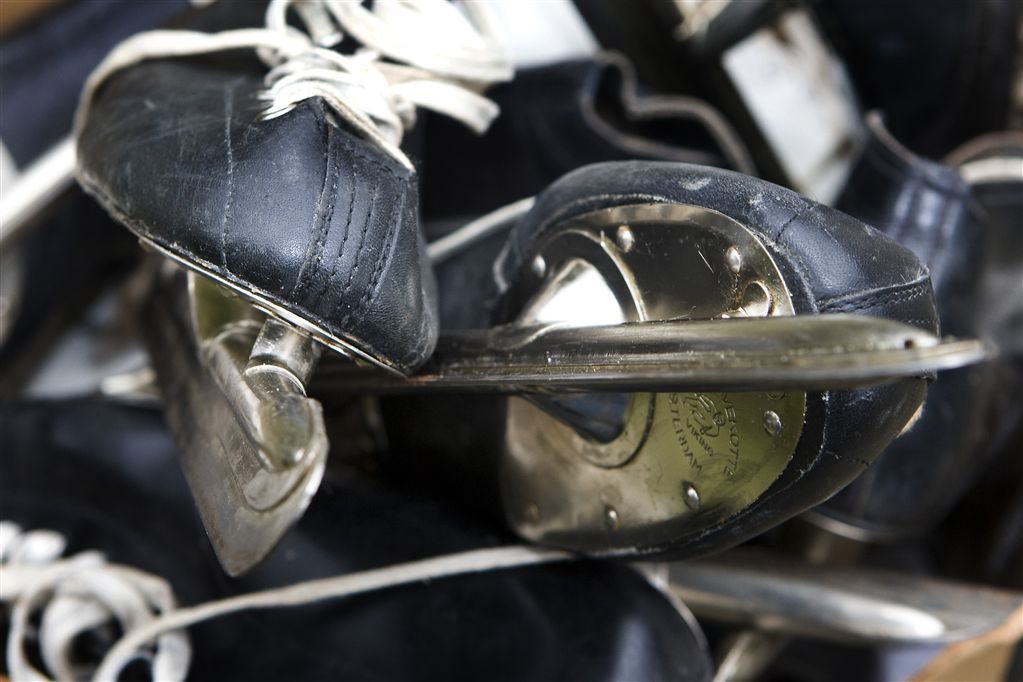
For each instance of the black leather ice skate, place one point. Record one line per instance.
(272, 165)
(283, 179)
(657, 329)
(956, 222)
(692, 463)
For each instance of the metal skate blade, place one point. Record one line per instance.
(858, 605)
(253, 459)
(812, 352)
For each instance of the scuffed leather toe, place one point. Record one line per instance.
(929, 208)
(296, 213)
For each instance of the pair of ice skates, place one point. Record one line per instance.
(667, 357)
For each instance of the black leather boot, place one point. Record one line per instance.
(972, 253)
(683, 473)
(289, 188)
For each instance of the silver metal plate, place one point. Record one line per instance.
(252, 472)
(681, 460)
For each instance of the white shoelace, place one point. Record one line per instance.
(439, 250)
(437, 59)
(75, 595)
(82, 592)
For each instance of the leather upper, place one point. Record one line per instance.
(929, 208)
(297, 211)
(832, 262)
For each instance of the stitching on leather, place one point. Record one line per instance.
(362, 245)
(403, 181)
(853, 460)
(899, 294)
(328, 219)
(371, 290)
(351, 151)
(802, 270)
(401, 177)
(876, 300)
(334, 271)
(330, 168)
(922, 278)
(139, 229)
(798, 214)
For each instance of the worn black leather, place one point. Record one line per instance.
(929, 208)
(831, 263)
(1001, 199)
(297, 211)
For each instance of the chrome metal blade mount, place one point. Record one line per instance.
(253, 446)
(664, 297)
(815, 352)
(859, 605)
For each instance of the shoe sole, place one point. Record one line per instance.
(345, 347)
